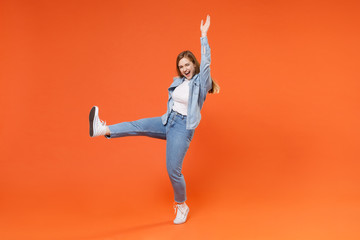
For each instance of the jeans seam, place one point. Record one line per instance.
(137, 132)
(142, 130)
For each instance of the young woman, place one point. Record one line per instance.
(187, 94)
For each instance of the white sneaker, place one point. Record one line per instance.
(97, 127)
(182, 211)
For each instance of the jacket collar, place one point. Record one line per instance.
(178, 80)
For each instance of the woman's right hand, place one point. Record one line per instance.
(205, 27)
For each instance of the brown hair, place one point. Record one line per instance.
(190, 56)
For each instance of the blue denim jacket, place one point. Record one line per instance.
(199, 86)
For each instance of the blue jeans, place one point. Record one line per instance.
(177, 138)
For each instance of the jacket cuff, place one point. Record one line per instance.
(204, 41)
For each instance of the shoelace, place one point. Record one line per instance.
(102, 122)
(178, 207)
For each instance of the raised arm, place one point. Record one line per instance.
(205, 78)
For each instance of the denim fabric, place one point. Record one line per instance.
(177, 137)
(199, 86)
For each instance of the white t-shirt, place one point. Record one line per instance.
(181, 97)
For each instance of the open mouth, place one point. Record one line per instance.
(187, 73)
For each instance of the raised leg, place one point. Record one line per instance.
(150, 127)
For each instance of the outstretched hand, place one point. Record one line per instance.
(205, 27)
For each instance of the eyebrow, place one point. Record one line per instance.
(184, 64)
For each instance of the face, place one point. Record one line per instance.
(187, 68)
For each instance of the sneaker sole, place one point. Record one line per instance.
(91, 120)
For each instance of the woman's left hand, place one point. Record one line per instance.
(205, 27)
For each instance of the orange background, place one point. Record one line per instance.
(276, 155)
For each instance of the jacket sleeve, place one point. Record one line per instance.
(205, 78)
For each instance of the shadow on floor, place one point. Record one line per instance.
(129, 230)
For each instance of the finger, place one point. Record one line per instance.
(201, 23)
